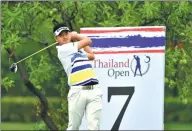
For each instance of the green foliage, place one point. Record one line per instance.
(177, 111)
(39, 126)
(8, 126)
(178, 71)
(151, 10)
(18, 110)
(25, 33)
(40, 71)
(27, 26)
(27, 110)
(7, 83)
(23, 109)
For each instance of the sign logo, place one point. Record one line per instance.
(138, 67)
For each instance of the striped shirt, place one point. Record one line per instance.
(77, 66)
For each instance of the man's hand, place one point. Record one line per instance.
(88, 49)
(90, 56)
(89, 52)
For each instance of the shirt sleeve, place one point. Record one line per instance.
(67, 49)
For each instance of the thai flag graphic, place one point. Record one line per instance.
(117, 40)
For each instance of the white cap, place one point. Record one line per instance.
(58, 31)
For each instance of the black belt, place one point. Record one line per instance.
(88, 87)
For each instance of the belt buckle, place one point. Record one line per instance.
(89, 87)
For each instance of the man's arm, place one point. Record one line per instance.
(88, 49)
(90, 56)
(83, 42)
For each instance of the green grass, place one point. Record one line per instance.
(16, 126)
(178, 126)
(28, 126)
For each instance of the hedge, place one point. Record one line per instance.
(176, 111)
(20, 109)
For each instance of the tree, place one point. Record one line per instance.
(25, 24)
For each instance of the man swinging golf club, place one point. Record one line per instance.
(84, 94)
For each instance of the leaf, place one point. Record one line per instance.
(7, 83)
(150, 9)
(38, 87)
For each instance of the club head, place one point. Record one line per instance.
(13, 68)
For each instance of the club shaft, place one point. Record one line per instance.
(36, 52)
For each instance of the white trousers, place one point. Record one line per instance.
(84, 101)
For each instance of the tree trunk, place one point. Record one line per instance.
(44, 104)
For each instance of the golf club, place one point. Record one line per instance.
(13, 67)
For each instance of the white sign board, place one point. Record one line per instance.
(130, 63)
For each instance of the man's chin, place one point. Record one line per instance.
(66, 42)
(62, 43)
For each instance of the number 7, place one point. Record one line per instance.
(120, 91)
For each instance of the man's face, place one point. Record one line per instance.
(63, 38)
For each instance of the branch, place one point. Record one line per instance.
(55, 22)
(31, 21)
(68, 18)
(44, 104)
(22, 72)
(85, 18)
(74, 12)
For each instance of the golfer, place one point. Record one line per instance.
(85, 93)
